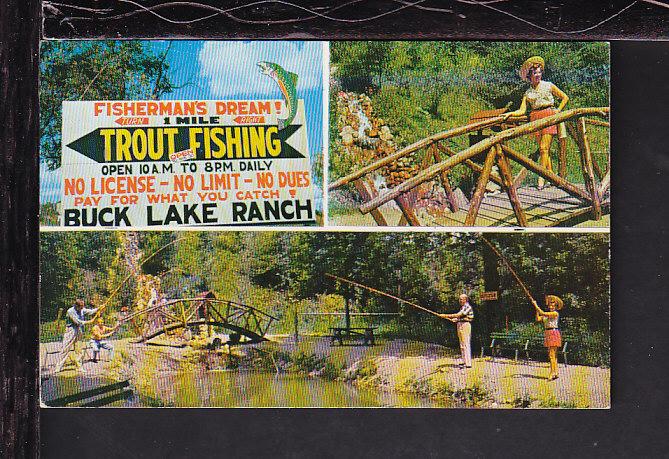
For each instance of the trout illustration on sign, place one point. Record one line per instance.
(287, 82)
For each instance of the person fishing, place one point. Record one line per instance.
(98, 334)
(76, 319)
(552, 336)
(540, 97)
(463, 322)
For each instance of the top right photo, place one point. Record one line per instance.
(477, 134)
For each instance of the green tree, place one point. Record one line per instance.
(94, 70)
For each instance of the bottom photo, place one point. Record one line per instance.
(325, 319)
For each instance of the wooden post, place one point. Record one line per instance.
(588, 174)
(366, 196)
(206, 318)
(548, 175)
(505, 172)
(475, 202)
(575, 133)
(347, 317)
(596, 168)
(471, 164)
(445, 184)
(604, 185)
(562, 158)
(296, 324)
(407, 211)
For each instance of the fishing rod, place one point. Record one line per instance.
(417, 306)
(508, 265)
(118, 289)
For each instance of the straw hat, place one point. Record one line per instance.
(557, 299)
(528, 64)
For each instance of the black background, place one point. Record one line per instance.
(344, 19)
(635, 426)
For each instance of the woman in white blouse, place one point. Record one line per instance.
(552, 336)
(541, 100)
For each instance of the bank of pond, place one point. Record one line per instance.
(313, 373)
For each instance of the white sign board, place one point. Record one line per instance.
(184, 163)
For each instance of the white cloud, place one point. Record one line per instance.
(231, 67)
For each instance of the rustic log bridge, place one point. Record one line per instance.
(548, 175)
(469, 153)
(415, 147)
(361, 186)
(183, 313)
(471, 164)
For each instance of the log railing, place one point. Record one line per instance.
(497, 153)
(184, 312)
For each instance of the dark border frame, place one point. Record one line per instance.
(19, 237)
(357, 19)
(636, 425)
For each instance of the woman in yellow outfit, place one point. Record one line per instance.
(552, 336)
(541, 100)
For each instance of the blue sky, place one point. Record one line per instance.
(227, 70)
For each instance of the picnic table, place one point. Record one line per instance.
(339, 334)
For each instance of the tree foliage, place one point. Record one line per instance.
(421, 88)
(279, 271)
(93, 70)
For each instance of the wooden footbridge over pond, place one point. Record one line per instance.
(180, 315)
(561, 203)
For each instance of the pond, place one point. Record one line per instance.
(246, 389)
(262, 390)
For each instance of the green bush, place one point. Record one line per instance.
(421, 88)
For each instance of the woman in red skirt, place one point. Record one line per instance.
(552, 337)
(541, 100)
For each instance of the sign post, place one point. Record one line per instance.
(488, 296)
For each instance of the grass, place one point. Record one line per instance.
(51, 331)
(473, 395)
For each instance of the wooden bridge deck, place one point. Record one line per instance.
(543, 208)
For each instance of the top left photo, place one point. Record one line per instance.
(169, 134)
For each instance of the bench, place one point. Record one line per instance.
(536, 344)
(341, 333)
(99, 396)
(503, 341)
(510, 341)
